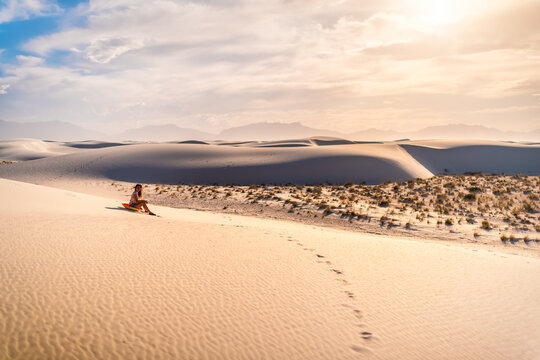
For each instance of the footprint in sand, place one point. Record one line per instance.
(366, 335)
(360, 349)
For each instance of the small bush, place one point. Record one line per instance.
(486, 225)
(449, 222)
(528, 207)
(469, 197)
(503, 237)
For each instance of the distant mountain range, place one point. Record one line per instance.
(63, 131)
(167, 132)
(47, 130)
(274, 131)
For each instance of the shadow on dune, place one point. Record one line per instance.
(478, 158)
(90, 145)
(330, 169)
(198, 142)
(282, 145)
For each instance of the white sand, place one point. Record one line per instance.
(31, 149)
(294, 161)
(81, 279)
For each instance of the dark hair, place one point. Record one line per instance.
(140, 192)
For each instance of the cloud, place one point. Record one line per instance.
(29, 60)
(4, 88)
(24, 9)
(104, 50)
(220, 63)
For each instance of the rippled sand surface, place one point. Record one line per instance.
(82, 279)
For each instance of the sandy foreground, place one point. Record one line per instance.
(81, 278)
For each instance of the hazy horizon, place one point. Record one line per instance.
(209, 65)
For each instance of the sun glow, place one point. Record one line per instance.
(437, 12)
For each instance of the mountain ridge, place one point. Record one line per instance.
(262, 131)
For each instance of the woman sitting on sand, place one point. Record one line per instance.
(137, 201)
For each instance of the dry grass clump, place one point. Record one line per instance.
(486, 225)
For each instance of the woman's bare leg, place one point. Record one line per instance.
(145, 207)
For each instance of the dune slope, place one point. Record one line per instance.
(466, 156)
(31, 149)
(196, 163)
(305, 161)
(80, 278)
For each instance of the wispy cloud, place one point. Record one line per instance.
(23, 9)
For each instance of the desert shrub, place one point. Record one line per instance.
(486, 225)
(528, 207)
(469, 197)
(384, 203)
(474, 189)
(292, 202)
(503, 237)
(450, 185)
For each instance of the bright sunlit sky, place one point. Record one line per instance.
(337, 64)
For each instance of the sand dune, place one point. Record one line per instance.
(301, 161)
(31, 149)
(82, 279)
(194, 163)
(475, 156)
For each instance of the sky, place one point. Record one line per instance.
(343, 65)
